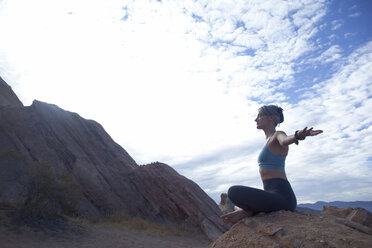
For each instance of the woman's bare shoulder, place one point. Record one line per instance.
(279, 132)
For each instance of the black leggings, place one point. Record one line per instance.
(277, 195)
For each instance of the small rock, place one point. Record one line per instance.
(339, 212)
(361, 216)
(269, 229)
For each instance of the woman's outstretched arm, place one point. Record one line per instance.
(285, 140)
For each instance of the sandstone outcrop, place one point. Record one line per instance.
(226, 205)
(358, 215)
(297, 229)
(107, 178)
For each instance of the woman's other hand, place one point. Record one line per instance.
(308, 132)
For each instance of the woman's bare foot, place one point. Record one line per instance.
(234, 217)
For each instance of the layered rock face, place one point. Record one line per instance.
(108, 179)
(332, 228)
(165, 195)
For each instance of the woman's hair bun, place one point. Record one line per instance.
(281, 116)
(275, 111)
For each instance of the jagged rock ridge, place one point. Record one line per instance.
(108, 178)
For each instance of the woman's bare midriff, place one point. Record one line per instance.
(267, 174)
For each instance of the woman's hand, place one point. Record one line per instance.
(302, 134)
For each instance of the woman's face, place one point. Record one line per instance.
(263, 120)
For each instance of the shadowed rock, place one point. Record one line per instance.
(108, 179)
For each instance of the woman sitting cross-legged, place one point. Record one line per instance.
(277, 193)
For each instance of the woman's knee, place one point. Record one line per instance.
(233, 193)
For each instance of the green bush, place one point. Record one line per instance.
(11, 166)
(48, 193)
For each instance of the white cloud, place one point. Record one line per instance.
(336, 24)
(274, 39)
(356, 14)
(340, 106)
(330, 55)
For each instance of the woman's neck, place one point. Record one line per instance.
(269, 132)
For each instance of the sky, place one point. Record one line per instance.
(180, 82)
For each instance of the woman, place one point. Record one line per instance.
(277, 193)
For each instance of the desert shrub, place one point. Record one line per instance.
(10, 153)
(48, 193)
(127, 222)
(11, 165)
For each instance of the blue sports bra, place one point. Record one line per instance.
(269, 160)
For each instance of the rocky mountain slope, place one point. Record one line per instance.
(48, 152)
(333, 227)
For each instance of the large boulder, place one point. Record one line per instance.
(47, 151)
(296, 229)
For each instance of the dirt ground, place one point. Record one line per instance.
(97, 236)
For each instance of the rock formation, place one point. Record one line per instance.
(358, 215)
(331, 228)
(226, 205)
(107, 178)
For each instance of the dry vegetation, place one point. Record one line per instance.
(77, 232)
